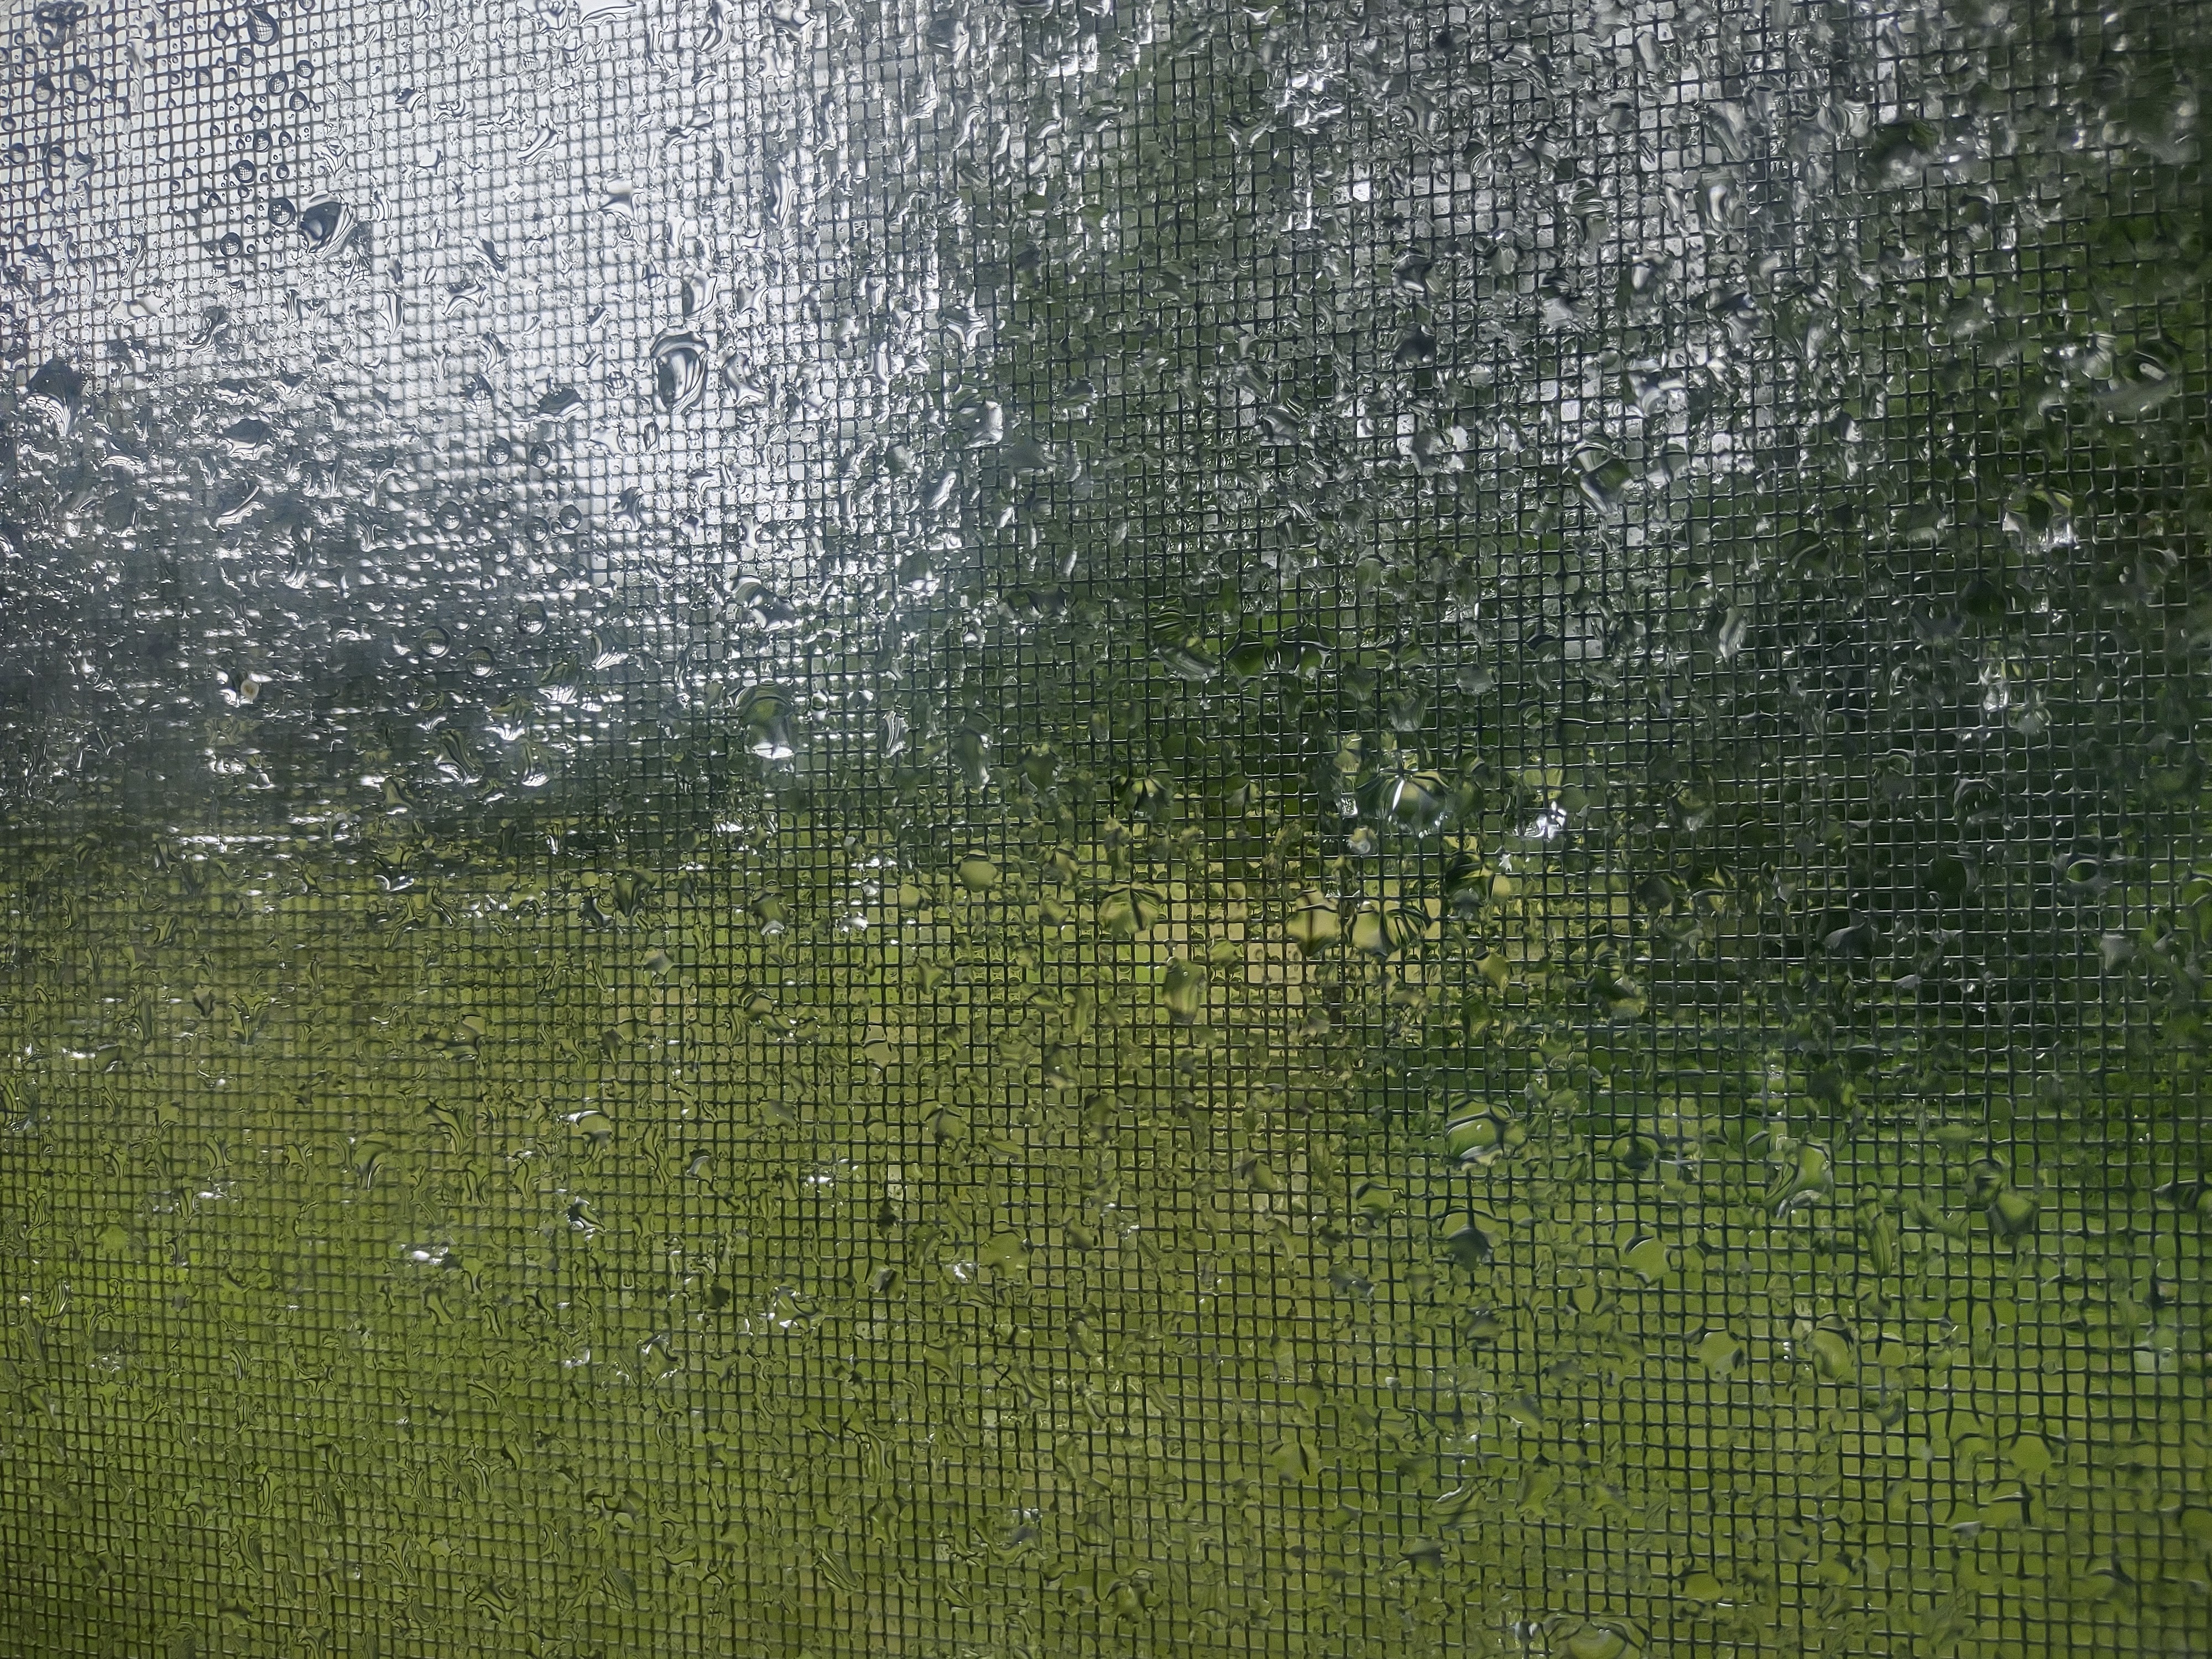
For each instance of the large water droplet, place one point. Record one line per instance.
(679, 370)
(1315, 923)
(56, 391)
(1596, 1642)
(766, 712)
(1419, 801)
(323, 224)
(1411, 272)
(971, 753)
(1127, 912)
(248, 437)
(1184, 991)
(1477, 1135)
(978, 423)
(1189, 662)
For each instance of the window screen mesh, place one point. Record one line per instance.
(1071, 828)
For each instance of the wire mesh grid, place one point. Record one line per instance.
(1084, 829)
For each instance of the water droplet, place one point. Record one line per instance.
(1315, 924)
(1296, 1459)
(248, 437)
(1383, 929)
(1620, 997)
(235, 499)
(324, 225)
(1184, 991)
(1717, 1351)
(1189, 662)
(561, 400)
(2013, 1214)
(242, 690)
(1466, 1241)
(977, 873)
(1411, 272)
(948, 33)
(971, 753)
(978, 423)
(1416, 801)
(56, 391)
(1830, 1352)
(1596, 1642)
(1902, 149)
(765, 712)
(1648, 1259)
(56, 21)
(1125, 912)
(1477, 1136)
(679, 370)
(2030, 1455)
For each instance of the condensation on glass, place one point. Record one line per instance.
(1070, 828)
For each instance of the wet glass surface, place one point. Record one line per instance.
(1071, 829)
